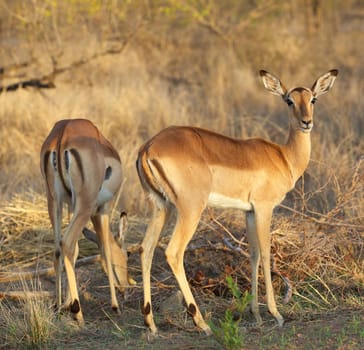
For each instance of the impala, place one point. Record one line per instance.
(188, 168)
(82, 168)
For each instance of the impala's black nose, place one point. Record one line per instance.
(307, 123)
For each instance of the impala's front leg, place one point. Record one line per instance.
(254, 251)
(263, 218)
(119, 256)
(101, 224)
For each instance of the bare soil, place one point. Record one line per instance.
(208, 262)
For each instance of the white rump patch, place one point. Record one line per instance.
(103, 196)
(221, 201)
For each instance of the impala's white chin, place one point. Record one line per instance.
(306, 130)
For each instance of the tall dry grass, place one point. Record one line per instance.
(31, 322)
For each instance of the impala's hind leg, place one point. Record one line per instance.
(55, 214)
(101, 224)
(70, 252)
(155, 227)
(186, 225)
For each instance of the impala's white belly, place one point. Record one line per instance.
(221, 201)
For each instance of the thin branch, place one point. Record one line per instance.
(17, 276)
(21, 294)
(47, 81)
(322, 221)
(34, 83)
(239, 242)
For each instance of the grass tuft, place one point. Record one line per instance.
(30, 322)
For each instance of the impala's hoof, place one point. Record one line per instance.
(116, 309)
(204, 327)
(79, 319)
(280, 320)
(150, 334)
(208, 331)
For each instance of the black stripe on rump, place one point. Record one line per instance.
(77, 157)
(45, 162)
(162, 174)
(108, 173)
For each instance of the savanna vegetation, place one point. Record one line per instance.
(135, 67)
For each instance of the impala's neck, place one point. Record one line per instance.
(298, 150)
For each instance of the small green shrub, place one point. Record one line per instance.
(228, 332)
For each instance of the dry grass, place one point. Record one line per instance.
(31, 323)
(176, 71)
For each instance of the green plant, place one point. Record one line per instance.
(228, 332)
(240, 301)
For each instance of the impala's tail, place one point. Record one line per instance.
(61, 166)
(153, 178)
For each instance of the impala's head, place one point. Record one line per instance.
(300, 99)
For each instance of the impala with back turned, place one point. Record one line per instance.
(81, 168)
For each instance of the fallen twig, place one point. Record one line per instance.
(21, 294)
(17, 276)
(287, 282)
(239, 242)
(237, 249)
(322, 221)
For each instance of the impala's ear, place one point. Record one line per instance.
(273, 84)
(324, 83)
(91, 236)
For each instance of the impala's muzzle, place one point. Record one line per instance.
(306, 125)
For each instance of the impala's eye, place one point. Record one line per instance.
(289, 102)
(313, 100)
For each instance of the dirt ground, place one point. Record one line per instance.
(333, 329)
(208, 262)
(323, 331)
